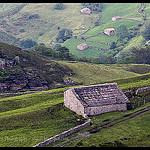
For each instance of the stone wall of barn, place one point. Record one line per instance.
(71, 102)
(103, 109)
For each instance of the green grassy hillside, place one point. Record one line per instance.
(28, 119)
(50, 19)
(32, 70)
(128, 10)
(87, 73)
(131, 133)
(44, 28)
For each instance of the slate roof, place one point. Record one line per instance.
(100, 95)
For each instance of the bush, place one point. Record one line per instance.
(135, 55)
(63, 35)
(122, 32)
(63, 53)
(112, 45)
(28, 43)
(106, 58)
(146, 31)
(94, 6)
(43, 50)
(59, 6)
(22, 30)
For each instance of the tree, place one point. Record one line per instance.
(142, 55)
(59, 6)
(64, 34)
(134, 55)
(63, 53)
(112, 45)
(146, 31)
(94, 6)
(56, 46)
(43, 50)
(122, 32)
(28, 43)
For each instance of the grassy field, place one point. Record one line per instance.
(125, 10)
(131, 133)
(87, 73)
(45, 29)
(36, 125)
(28, 119)
(50, 20)
(32, 118)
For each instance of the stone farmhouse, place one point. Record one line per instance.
(109, 31)
(86, 11)
(82, 46)
(116, 18)
(95, 99)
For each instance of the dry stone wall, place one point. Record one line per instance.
(64, 134)
(142, 90)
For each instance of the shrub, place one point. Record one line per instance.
(63, 35)
(59, 6)
(112, 45)
(28, 43)
(94, 6)
(122, 32)
(146, 31)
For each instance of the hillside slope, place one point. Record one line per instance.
(87, 73)
(31, 72)
(95, 37)
(48, 20)
(32, 118)
(40, 22)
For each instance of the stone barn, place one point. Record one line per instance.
(95, 99)
(82, 46)
(86, 11)
(109, 31)
(116, 18)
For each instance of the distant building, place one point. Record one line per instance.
(116, 18)
(109, 31)
(82, 46)
(95, 99)
(86, 11)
